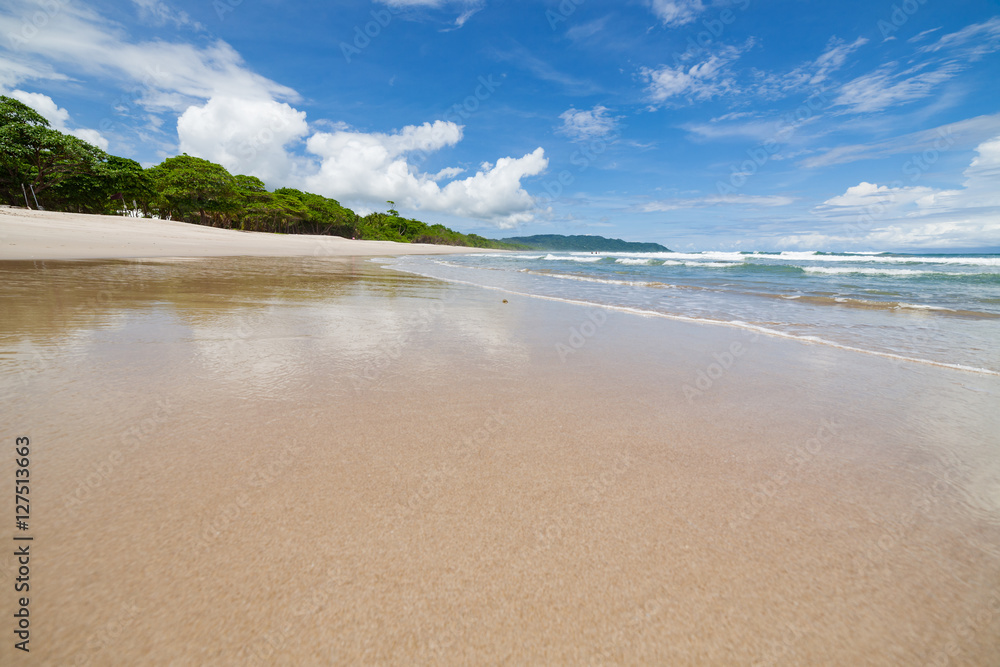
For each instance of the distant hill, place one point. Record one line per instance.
(582, 243)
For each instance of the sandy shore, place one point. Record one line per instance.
(27, 234)
(316, 461)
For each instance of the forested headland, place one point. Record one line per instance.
(43, 167)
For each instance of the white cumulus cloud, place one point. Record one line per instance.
(246, 136)
(374, 167)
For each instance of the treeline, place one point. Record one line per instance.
(59, 172)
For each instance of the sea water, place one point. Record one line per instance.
(918, 308)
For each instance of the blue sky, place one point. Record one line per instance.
(785, 125)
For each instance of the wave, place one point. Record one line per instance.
(871, 304)
(827, 270)
(785, 256)
(632, 261)
(601, 281)
(588, 258)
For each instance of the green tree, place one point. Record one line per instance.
(186, 185)
(34, 154)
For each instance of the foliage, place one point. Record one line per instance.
(33, 154)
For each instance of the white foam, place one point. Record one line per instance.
(713, 265)
(632, 260)
(588, 258)
(828, 270)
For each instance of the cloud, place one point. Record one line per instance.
(812, 74)
(466, 8)
(885, 88)
(676, 12)
(865, 195)
(525, 59)
(588, 125)
(246, 136)
(585, 31)
(881, 89)
(716, 200)
(159, 13)
(954, 136)
(980, 38)
(160, 75)
(58, 117)
(701, 81)
(372, 168)
(896, 215)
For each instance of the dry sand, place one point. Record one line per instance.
(28, 234)
(316, 461)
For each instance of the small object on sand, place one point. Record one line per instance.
(505, 300)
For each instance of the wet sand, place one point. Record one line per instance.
(26, 234)
(316, 461)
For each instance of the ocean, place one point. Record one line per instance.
(941, 309)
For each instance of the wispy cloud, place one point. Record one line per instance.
(975, 40)
(716, 200)
(812, 74)
(955, 136)
(882, 89)
(585, 125)
(587, 30)
(159, 13)
(523, 58)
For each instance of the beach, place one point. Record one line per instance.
(29, 234)
(259, 450)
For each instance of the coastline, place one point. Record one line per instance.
(312, 460)
(43, 235)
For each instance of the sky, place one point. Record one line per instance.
(701, 125)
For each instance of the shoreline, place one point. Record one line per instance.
(641, 312)
(27, 234)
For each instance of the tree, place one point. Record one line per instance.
(185, 185)
(33, 153)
